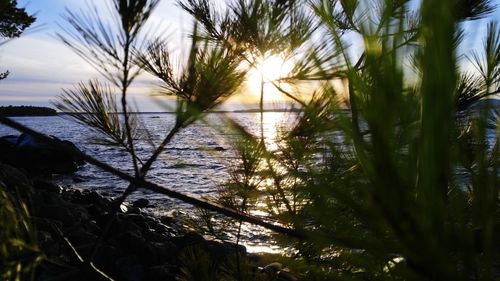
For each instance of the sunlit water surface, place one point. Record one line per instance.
(194, 163)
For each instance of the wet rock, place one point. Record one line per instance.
(141, 203)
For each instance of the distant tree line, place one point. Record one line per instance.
(26, 111)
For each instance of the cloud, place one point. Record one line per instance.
(41, 65)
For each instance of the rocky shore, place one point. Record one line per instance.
(136, 247)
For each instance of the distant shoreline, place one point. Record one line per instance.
(214, 111)
(25, 110)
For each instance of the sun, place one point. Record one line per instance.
(268, 70)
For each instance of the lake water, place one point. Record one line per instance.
(193, 163)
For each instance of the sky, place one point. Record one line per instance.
(41, 66)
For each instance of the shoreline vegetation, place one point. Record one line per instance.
(26, 110)
(253, 110)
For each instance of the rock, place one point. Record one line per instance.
(286, 276)
(129, 269)
(15, 180)
(58, 213)
(153, 236)
(54, 199)
(273, 268)
(47, 186)
(45, 224)
(221, 252)
(81, 237)
(167, 220)
(132, 241)
(107, 255)
(39, 156)
(137, 246)
(93, 227)
(137, 219)
(141, 203)
(97, 212)
(161, 272)
(189, 239)
(219, 148)
(133, 210)
(91, 198)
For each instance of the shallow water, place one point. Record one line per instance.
(194, 163)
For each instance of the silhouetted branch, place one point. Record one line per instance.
(156, 187)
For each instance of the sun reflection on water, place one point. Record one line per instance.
(274, 123)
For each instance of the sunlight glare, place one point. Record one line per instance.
(270, 69)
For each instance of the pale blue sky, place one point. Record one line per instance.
(41, 65)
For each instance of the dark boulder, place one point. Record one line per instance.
(40, 157)
(141, 203)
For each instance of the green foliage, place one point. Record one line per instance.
(395, 187)
(13, 20)
(389, 193)
(198, 265)
(95, 105)
(107, 49)
(19, 252)
(485, 83)
(210, 76)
